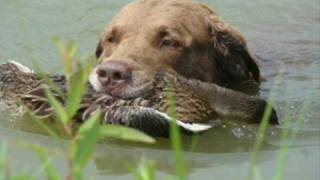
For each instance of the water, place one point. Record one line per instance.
(284, 34)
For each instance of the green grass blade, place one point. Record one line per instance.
(257, 174)
(68, 52)
(47, 79)
(287, 137)
(61, 114)
(85, 143)
(284, 141)
(146, 170)
(283, 149)
(42, 124)
(46, 162)
(124, 133)
(261, 132)
(77, 87)
(305, 106)
(175, 138)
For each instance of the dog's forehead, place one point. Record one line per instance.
(156, 14)
(160, 10)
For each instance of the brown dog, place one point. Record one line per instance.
(180, 36)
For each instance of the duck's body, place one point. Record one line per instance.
(148, 113)
(194, 110)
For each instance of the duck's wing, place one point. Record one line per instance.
(150, 121)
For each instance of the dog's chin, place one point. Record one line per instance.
(123, 91)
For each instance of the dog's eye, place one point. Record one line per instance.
(170, 43)
(111, 39)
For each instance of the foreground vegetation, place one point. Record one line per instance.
(82, 140)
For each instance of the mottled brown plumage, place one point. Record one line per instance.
(196, 103)
(143, 113)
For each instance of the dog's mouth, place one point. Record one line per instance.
(136, 87)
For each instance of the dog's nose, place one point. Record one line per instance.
(113, 72)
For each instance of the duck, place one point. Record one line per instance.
(197, 105)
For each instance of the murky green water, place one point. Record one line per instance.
(284, 34)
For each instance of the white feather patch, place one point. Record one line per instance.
(194, 127)
(21, 67)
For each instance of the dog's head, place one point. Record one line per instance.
(180, 36)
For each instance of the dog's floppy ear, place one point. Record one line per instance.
(231, 52)
(99, 49)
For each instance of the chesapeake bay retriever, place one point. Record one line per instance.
(180, 36)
